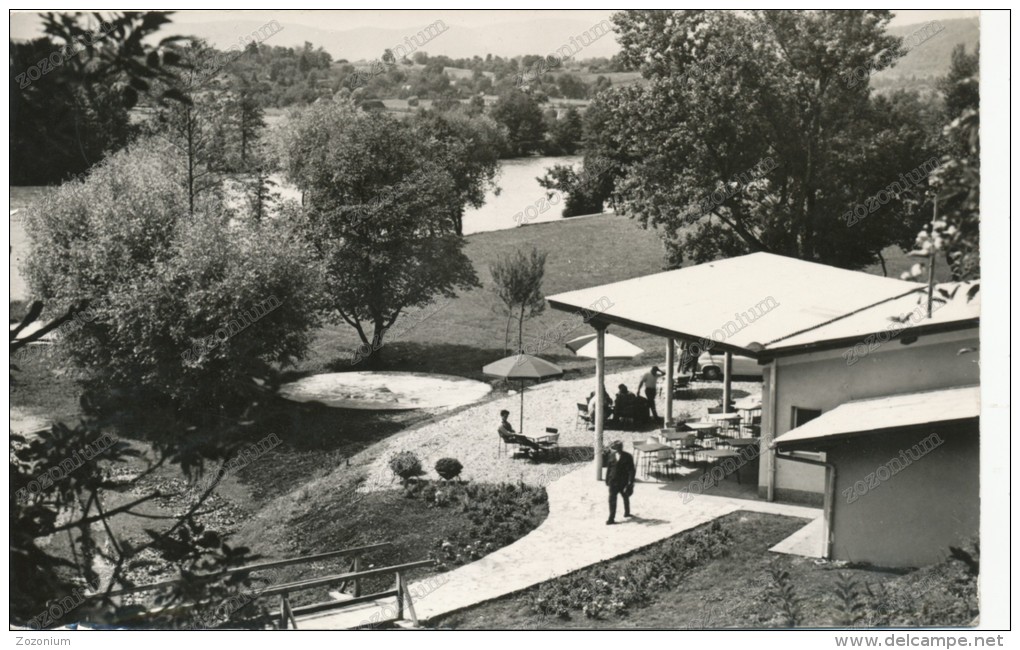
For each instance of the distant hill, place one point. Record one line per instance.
(931, 59)
(505, 39)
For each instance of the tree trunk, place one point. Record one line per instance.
(520, 331)
(191, 163)
(506, 334)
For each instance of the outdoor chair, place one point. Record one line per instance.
(531, 446)
(689, 447)
(752, 426)
(550, 442)
(680, 386)
(506, 440)
(662, 459)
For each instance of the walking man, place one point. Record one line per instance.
(650, 381)
(620, 475)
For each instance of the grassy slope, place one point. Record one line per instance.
(725, 592)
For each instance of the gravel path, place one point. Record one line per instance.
(470, 435)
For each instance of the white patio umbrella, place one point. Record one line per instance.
(522, 367)
(616, 348)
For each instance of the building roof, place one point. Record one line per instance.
(953, 308)
(889, 412)
(797, 304)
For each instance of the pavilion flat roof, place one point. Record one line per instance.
(788, 297)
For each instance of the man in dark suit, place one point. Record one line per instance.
(620, 475)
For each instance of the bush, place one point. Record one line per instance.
(406, 465)
(449, 468)
(190, 307)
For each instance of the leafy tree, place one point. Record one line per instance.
(750, 138)
(471, 153)
(381, 203)
(566, 133)
(958, 179)
(517, 281)
(960, 88)
(189, 309)
(520, 114)
(246, 115)
(71, 90)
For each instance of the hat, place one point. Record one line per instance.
(616, 444)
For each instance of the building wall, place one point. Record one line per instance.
(824, 380)
(905, 515)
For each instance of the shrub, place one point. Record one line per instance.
(406, 465)
(449, 468)
(190, 307)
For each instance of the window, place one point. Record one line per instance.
(802, 415)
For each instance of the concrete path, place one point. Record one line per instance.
(572, 537)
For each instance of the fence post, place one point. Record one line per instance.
(283, 611)
(400, 597)
(406, 593)
(357, 581)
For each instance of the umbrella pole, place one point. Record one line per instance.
(521, 383)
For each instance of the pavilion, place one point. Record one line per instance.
(760, 305)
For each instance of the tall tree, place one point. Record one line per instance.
(751, 139)
(380, 209)
(200, 127)
(517, 281)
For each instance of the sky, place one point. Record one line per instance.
(27, 25)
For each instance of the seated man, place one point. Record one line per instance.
(510, 437)
(592, 405)
(624, 403)
(505, 428)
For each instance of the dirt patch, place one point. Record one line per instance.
(385, 391)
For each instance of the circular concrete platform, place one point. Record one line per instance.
(385, 391)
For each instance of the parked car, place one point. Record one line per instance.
(710, 365)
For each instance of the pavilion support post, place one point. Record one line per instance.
(670, 363)
(727, 381)
(600, 396)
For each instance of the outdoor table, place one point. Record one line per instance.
(725, 418)
(669, 435)
(749, 404)
(643, 448)
(703, 429)
(741, 442)
(722, 454)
